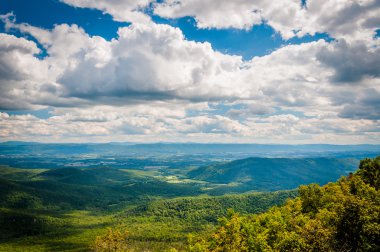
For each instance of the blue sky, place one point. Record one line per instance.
(47, 13)
(190, 70)
(257, 41)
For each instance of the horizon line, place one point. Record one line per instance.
(200, 143)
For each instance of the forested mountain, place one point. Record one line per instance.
(208, 209)
(276, 173)
(341, 216)
(72, 188)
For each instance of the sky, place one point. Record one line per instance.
(221, 71)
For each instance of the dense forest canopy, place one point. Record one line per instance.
(109, 209)
(340, 216)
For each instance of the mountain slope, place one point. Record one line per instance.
(89, 176)
(208, 208)
(276, 173)
(340, 216)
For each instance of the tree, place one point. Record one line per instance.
(113, 240)
(369, 171)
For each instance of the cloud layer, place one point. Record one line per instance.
(152, 84)
(340, 19)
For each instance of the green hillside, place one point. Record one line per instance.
(275, 173)
(71, 209)
(72, 188)
(341, 216)
(209, 209)
(66, 209)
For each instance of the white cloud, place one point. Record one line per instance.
(340, 18)
(348, 19)
(107, 123)
(150, 83)
(156, 62)
(21, 73)
(239, 14)
(144, 62)
(351, 61)
(120, 10)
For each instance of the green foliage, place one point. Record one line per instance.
(50, 231)
(369, 171)
(229, 236)
(17, 223)
(341, 216)
(205, 209)
(40, 213)
(311, 198)
(89, 189)
(113, 240)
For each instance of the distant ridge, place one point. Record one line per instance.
(276, 173)
(18, 147)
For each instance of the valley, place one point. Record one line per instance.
(158, 199)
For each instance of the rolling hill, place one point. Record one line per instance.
(73, 188)
(268, 174)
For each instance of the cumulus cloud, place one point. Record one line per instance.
(152, 83)
(146, 61)
(239, 14)
(349, 19)
(12, 48)
(365, 105)
(351, 61)
(120, 10)
(340, 19)
(21, 73)
(149, 61)
(156, 62)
